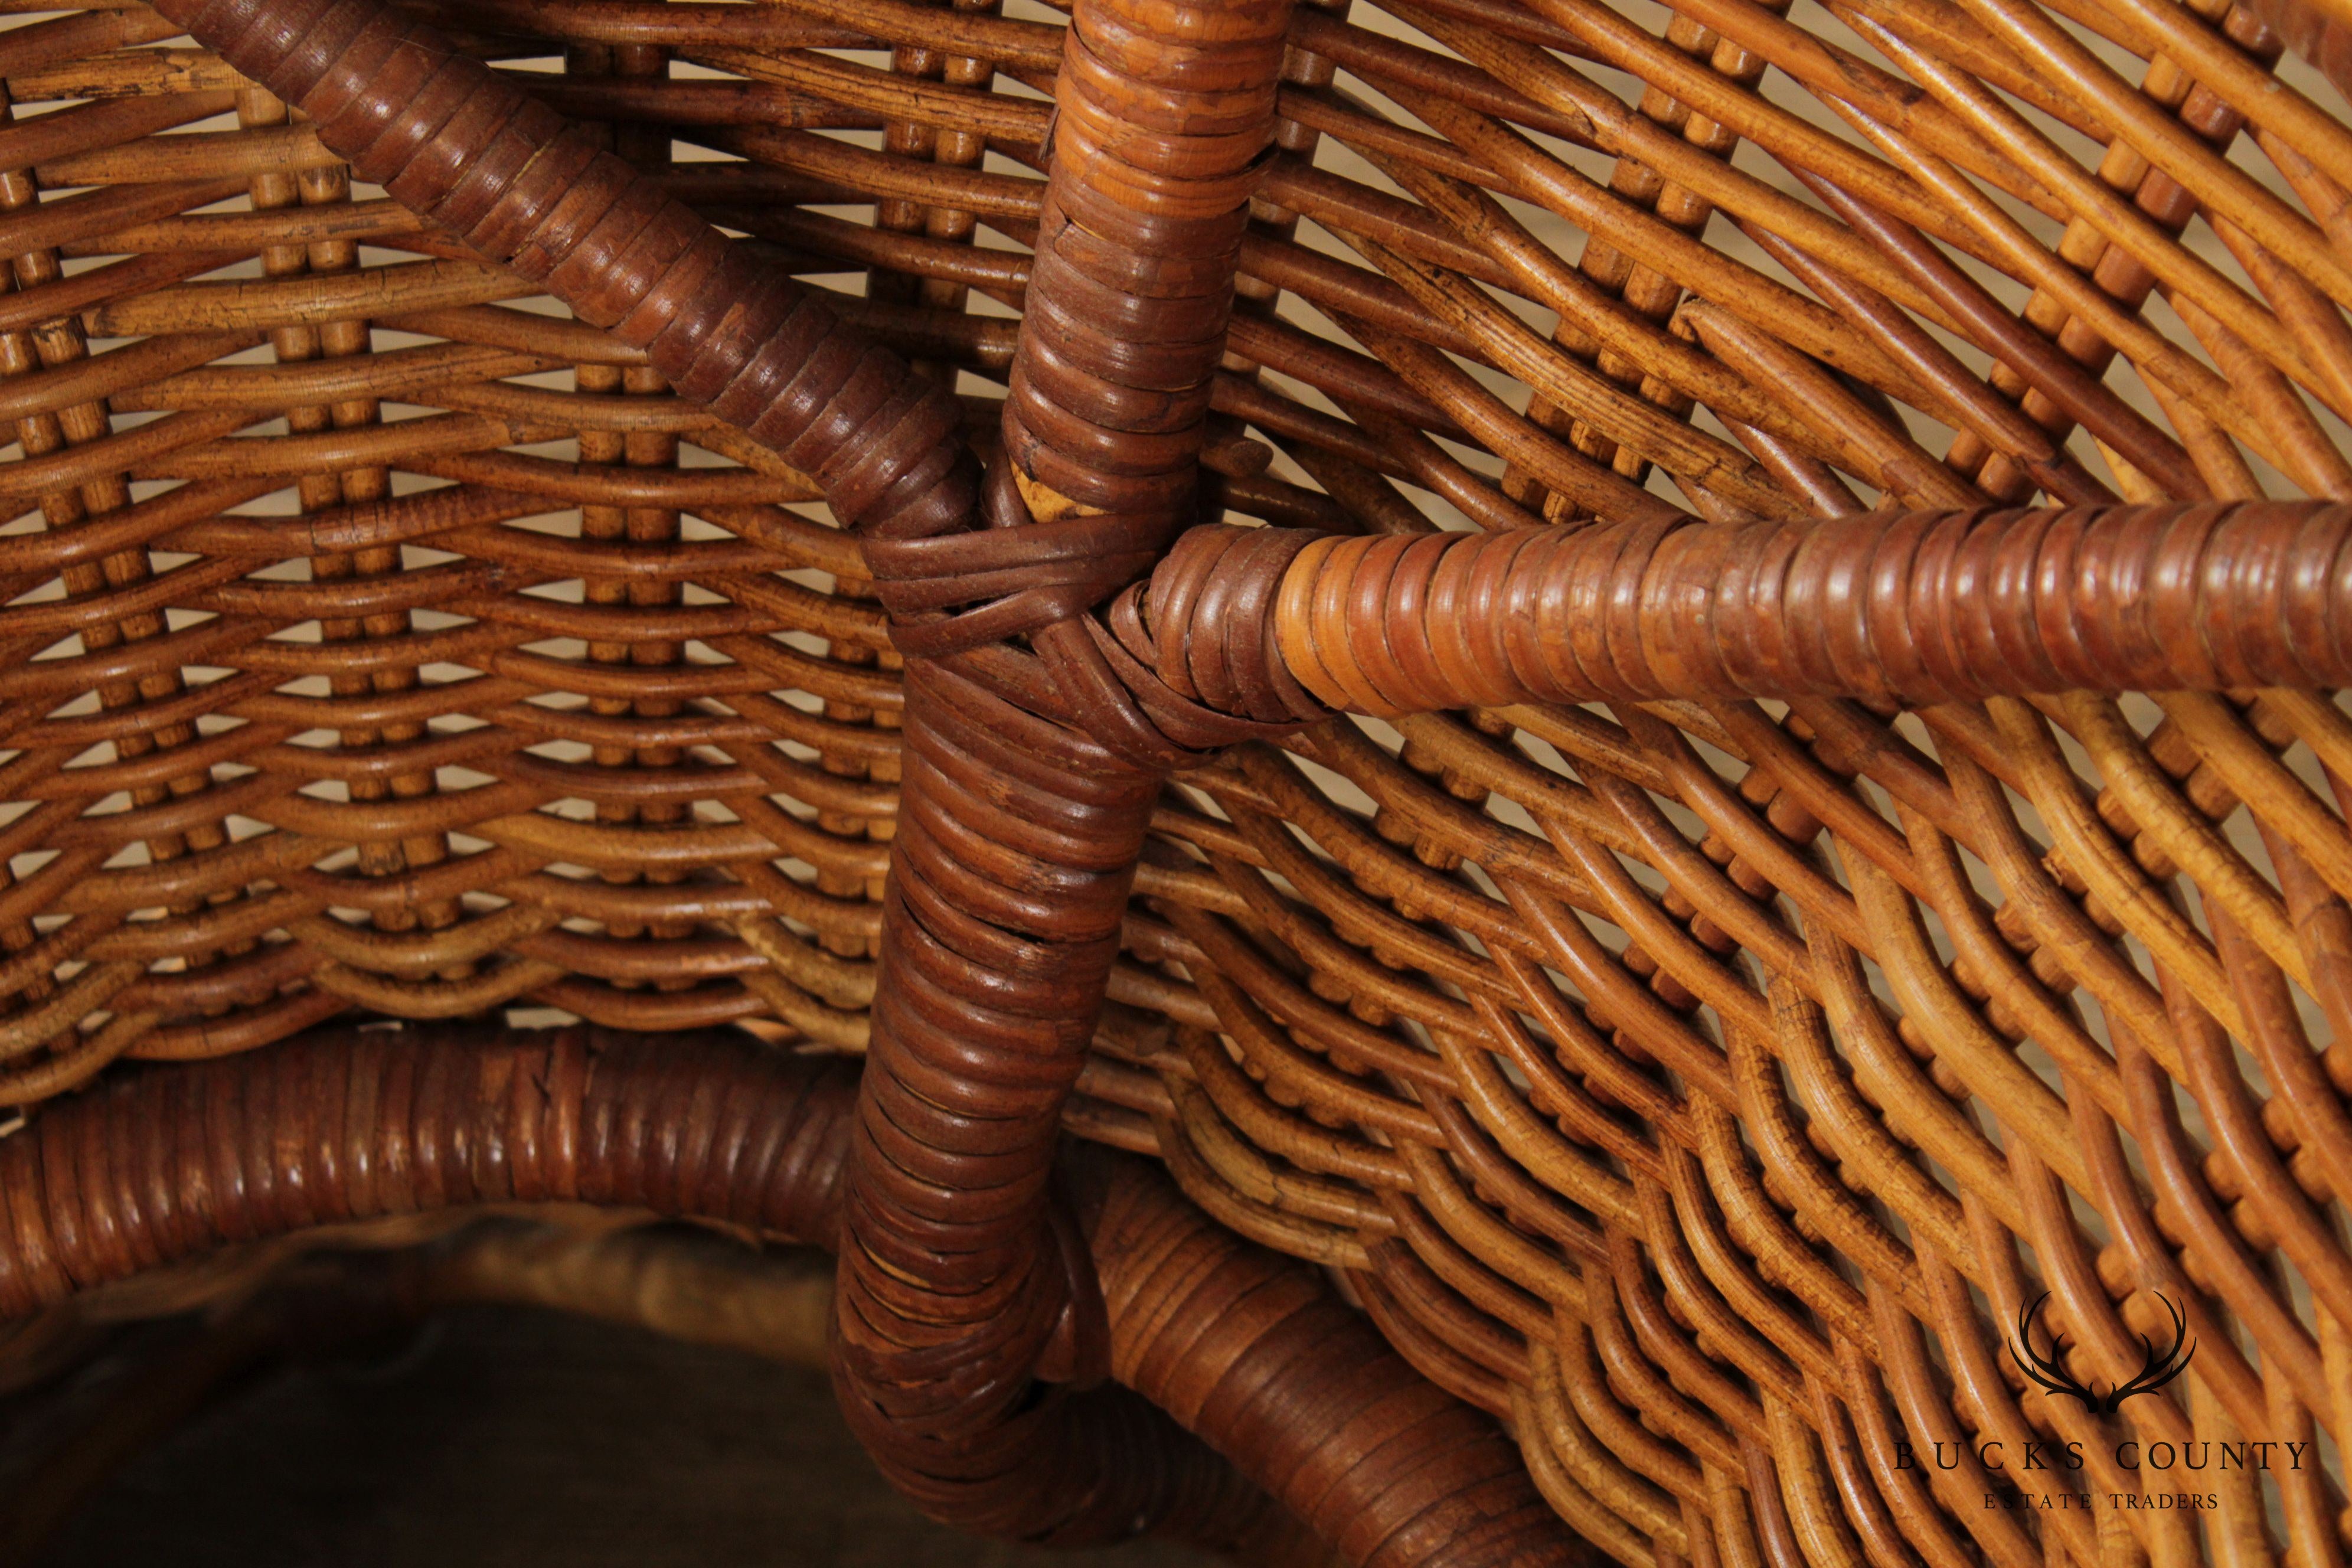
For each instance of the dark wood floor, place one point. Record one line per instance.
(513, 1439)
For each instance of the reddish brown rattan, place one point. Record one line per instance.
(1764, 945)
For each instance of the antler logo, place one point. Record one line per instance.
(2050, 1371)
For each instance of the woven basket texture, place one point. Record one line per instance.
(1755, 1104)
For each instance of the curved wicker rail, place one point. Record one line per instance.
(1243, 1347)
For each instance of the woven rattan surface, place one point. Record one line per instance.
(1769, 994)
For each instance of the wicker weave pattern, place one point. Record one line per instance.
(1706, 1086)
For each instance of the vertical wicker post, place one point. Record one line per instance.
(1019, 829)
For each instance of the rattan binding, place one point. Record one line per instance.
(1653, 871)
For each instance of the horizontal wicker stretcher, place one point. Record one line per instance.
(1460, 782)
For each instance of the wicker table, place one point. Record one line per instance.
(1622, 970)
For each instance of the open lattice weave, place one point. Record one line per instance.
(1653, 874)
